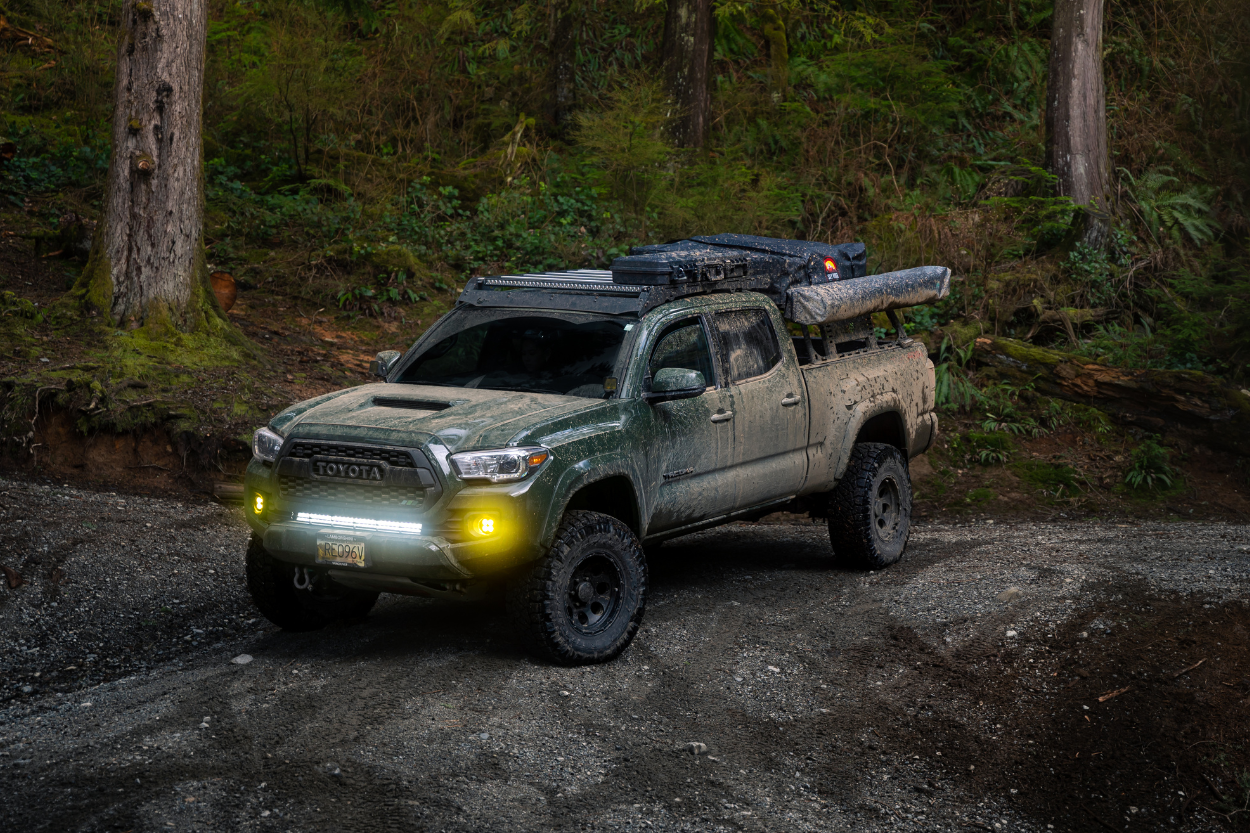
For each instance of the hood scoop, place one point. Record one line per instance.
(410, 404)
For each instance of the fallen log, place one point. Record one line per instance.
(1196, 405)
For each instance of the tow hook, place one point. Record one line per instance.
(303, 578)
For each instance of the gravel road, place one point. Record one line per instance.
(1004, 676)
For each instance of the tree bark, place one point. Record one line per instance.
(1076, 115)
(1188, 403)
(147, 265)
(563, 55)
(687, 53)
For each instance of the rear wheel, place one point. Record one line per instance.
(870, 508)
(272, 585)
(583, 601)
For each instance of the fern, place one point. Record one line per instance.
(1170, 213)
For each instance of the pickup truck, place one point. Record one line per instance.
(551, 427)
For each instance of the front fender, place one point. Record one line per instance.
(583, 473)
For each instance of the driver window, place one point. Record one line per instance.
(683, 345)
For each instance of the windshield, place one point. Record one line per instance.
(538, 352)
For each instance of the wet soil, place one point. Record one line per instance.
(1004, 676)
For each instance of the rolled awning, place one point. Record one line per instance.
(841, 300)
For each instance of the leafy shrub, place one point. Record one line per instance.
(954, 389)
(985, 449)
(1170, 211)
(1054, 479)
(1149, 468)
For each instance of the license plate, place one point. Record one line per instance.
(347, 553)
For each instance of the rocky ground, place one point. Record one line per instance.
(1076, 676)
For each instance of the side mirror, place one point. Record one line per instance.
(383, 363)
(675, 383)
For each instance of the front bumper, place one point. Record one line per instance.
(400, 555)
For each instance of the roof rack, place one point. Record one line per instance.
(590, 290)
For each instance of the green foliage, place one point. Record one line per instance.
(983, 448)
(1056, 480)
(345, 126)
(1169, 210)
(625, 144)
(1004, 412)
(954, 389)
(1149, 467)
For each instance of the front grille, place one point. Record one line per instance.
(305, 449)
(366, 495)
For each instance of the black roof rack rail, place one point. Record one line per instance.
(590, 290)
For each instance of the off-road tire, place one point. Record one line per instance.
(870, 508)
(553, 607)
(271, 583)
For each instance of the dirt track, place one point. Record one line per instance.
(957, 691)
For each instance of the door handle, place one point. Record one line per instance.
(791, 400)
(722, 416)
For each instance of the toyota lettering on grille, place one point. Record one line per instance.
(347, 471)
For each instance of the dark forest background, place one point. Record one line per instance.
(373, 155)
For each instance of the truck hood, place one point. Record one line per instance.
(417, 415)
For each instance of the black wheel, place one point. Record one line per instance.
(870, 508)
(583, 601)
(272, 585)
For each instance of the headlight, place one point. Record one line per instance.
(502, 465)
(266, 444)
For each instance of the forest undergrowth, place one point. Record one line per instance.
(364, 159)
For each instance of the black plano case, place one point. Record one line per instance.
(679, 265)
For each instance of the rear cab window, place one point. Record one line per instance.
(748, 343)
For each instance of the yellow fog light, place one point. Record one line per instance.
(482, 526)
(259, 505)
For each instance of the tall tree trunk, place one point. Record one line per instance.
(563, 55)
(1076, 115)
(687, 53)
(147, 265)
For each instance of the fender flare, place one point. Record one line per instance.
(585, 473)
(873, 406)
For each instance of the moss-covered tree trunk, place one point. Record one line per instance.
(1076, 115)
(687, 52)
(147, 264)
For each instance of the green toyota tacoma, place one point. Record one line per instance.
(551, 426)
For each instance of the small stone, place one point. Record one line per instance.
(264, 814)
(1083, 635)
(566, 694)
(242, 659)
(1009, 594)
(333, 770)
(1011, 634)
(27, 689)
(203, 725)
(774, 669)
(484, 736)
(695, 748)
(87, 704)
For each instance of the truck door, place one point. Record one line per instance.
(770, 414)
(692, 449)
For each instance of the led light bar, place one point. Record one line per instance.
(370, 524)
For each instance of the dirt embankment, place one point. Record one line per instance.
(1004, 676)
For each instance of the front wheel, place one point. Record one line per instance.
(583, 601)
(321, 601)
(870, 508)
